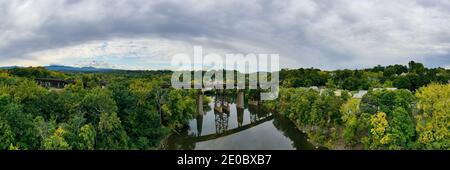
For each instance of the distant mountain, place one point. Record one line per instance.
(9, 67)
(68, 68)
(77, 69)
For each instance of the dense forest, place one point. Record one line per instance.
(381, 119)
(85, 115)
(406, 107)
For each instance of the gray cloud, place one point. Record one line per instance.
(324, 33)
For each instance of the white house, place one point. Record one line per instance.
(390, 89)
(360, 94)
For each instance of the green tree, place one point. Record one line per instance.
(101, 110)
(350, 129)
(330, 84)
(296, 104)
(433, 118)
(179, 107)
(350, 113)
(325, 110)
(19, 123)
(378, 137)
(6, 135)
(30, 95)
(402, 129)
(96, 102)
(417, 68)
(87, 137)
(386, 101)
(111, 134)
(57, 141)
(44, 129)
(144, 124)
(403, 82)
(73, 128)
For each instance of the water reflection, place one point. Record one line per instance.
(240, 116)
(225, 125)
(199, 124)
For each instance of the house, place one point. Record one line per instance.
(360, 94)
(390, 89)
(338, 92)
(314, 87)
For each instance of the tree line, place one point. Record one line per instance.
(411, 77)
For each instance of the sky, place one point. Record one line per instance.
(146, 34)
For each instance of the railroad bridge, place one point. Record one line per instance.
(221, 105)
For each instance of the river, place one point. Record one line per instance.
(233, 128)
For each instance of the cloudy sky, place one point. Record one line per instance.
(145, 34)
